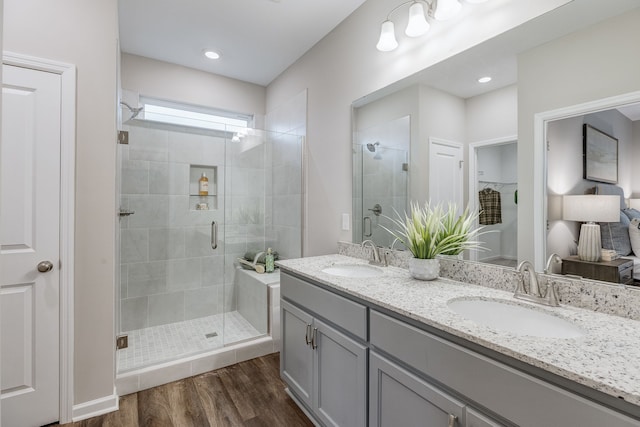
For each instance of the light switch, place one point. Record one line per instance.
(346, 222)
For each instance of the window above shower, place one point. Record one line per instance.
(192, 116)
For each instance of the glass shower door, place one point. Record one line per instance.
(172, 272)
(384, 190)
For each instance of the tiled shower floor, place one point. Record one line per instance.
(163, 343)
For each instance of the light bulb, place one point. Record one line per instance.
(485, 79)
(418, 24)
(446, 9)
(211, 54)
(387, 41)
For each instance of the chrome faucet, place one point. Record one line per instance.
(376, 253)
(533, 294)
(552, 258)
(534, 287)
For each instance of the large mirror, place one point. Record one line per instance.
(442, 135)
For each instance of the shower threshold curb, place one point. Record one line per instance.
(166, 372)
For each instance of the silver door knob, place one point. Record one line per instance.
(45, 266)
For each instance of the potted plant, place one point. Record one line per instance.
(430, 231)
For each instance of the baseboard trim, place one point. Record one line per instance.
(96, 407)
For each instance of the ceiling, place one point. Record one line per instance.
(258, 39)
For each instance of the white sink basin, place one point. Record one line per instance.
(514, 318)
(359, 271)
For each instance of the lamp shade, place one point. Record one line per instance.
(387, 41)
(591, 208)
(446, 9)
(418, 24)
(634, 204)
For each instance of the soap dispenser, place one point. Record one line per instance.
(203, 185)
(269, 261)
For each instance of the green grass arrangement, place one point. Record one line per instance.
(434, 230)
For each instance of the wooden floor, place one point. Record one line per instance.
(247, 394)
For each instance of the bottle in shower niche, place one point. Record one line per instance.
(269, 264)
(203, 185)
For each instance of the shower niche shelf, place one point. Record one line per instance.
(196, 201)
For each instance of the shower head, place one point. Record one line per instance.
(134, 111)
(372, 147)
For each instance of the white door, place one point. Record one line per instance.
(29, 239)
(445, 172)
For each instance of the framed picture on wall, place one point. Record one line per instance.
(600, 155)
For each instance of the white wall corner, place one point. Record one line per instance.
(96, 407)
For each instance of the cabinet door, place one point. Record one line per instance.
(339, 378)
(296, 358)
(399, 398)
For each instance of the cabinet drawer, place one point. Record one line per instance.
(516, 396)
(347, 314)
(477, 419)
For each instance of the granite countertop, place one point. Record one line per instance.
(605, 358)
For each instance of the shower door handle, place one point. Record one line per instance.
(364, 226)
(214, 235)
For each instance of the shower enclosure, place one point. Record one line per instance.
(181, 289)
(380, 179)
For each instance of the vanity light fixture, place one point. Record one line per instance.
(485, 79)
(211, 54)
(590, 209)
(446, 9)
(417, 25)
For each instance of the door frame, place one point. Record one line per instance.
(473, 170)
(67, 73)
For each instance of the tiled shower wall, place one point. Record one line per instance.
(169, 272)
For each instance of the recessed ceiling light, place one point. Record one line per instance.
(211, 54)
(486, 79)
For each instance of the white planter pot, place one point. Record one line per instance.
(424, 269)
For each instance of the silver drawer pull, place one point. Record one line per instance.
(307, 340)
(452, 420)
(314, 339)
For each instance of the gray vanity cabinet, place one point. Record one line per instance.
(477, 419)
(399, 398)
(324, 364)
(340, 378)
(296, 358)
(414, 377)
